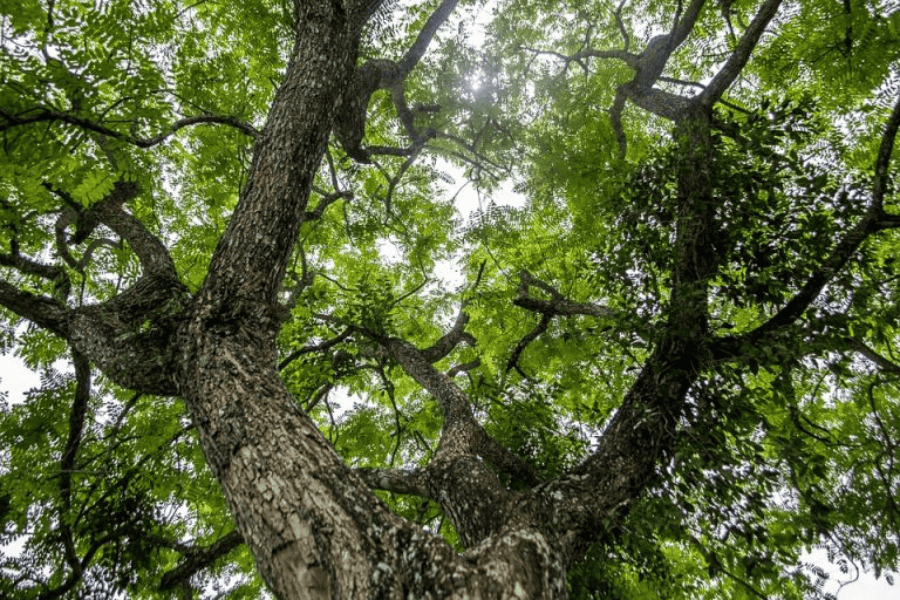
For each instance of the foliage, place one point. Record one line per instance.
(793, 446)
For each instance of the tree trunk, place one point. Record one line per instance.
(314, 527)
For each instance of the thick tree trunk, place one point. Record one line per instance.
(312, 524)
(314, 527)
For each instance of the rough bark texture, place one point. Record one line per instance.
(314, 527)
(312, 523)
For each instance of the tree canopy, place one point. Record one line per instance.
(667, 369)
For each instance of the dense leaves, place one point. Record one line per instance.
(521, 209)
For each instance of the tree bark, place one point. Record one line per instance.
(312, 523)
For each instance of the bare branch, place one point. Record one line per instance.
(395, 180)
(51, 116)
(399, 481)
(579, 57)
(55, 274)
(92, 247)
(559, 305)
(44, 311)
(417, 50)
(883, 161)
(326, 201)
(462, 368)
(540, 328)
(67, 462)
(321, 394)
(626, 39)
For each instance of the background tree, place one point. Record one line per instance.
(665, 375)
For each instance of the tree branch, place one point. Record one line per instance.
(67, 462)
(738, 59)
(308, 349)
(398, 481)
(558, 306)
(882, 362)
(50, 116)
(44, 311)
(532, 335)
(462, 368)
(461, 432)
(378, 74)
(628, 58)
(200, 558)
(417, 50)
(450, 340)
(55, 274)
(151, 252)
(326, 201)
(872, 222)
(883, 161)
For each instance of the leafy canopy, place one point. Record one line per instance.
(794, 446)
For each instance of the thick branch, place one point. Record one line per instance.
(249, 263)
(453, 401)
(129, 337)
(398, 481)
(200, 558)
(653, 59)
(738, 59)
(378, 74)
(461, 432)
(152, 254)
(563, 307)
(417, 50)
(450, 340)
(658, 102)
(41, 310)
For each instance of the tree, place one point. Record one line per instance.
(665, 375)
